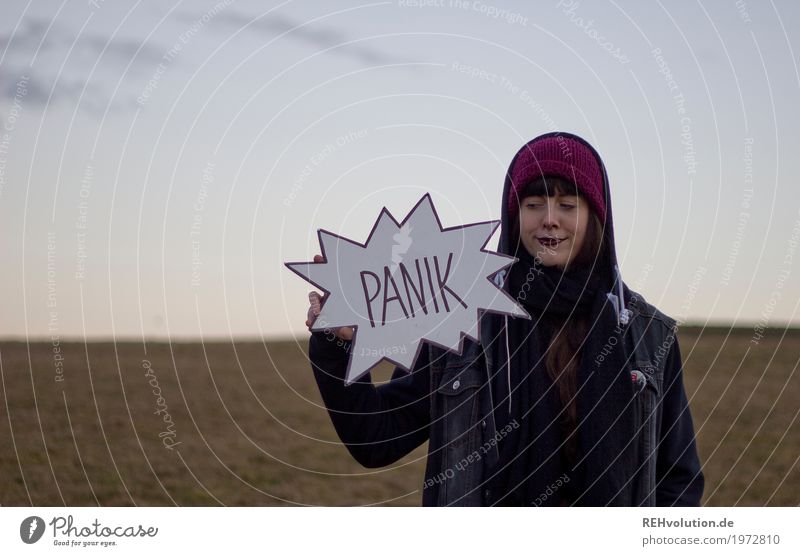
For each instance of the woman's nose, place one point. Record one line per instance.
(550, 217)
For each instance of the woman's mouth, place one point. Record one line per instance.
(549, 242)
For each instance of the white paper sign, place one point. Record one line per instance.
(411, 281)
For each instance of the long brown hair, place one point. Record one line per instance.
(563, 353)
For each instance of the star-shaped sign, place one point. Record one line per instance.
(411, 281)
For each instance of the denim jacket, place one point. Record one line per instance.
(447, 401)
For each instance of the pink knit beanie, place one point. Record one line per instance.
(565, 157)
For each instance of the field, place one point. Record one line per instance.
(242, 424)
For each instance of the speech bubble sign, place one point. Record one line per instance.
(411, 281)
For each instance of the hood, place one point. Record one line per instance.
(608, 267)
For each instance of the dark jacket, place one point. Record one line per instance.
(447, 399)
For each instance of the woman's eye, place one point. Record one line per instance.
(567, 206)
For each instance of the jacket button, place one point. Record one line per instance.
(483, 424)
(456, 384)
(486, 494)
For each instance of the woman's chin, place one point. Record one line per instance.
(548, 259)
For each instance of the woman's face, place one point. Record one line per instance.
(553, 228)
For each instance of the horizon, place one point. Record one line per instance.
(692, 327)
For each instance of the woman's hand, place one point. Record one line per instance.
(315, 305)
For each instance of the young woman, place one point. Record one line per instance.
(582, 405)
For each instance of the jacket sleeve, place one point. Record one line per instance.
(679, 477)
(378, 425)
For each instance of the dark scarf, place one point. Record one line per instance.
(535, 467)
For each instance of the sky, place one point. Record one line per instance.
(161, 161)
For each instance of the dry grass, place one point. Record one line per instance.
(252, 429)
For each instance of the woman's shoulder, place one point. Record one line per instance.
(442, 359)
(639, 306)
(652, 335)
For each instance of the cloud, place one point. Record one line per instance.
(38, 49)
(39, 53)
(319, 36)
